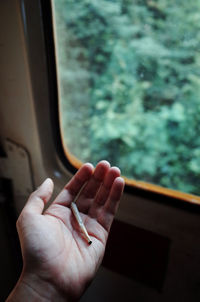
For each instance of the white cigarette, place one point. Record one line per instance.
(80, 222)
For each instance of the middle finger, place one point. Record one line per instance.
(90, 190)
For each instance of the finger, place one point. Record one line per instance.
(96, 180)
(73, 187)
(104, 191)
(110, 208)
(93, 185)
(39, 198)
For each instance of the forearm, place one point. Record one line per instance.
(31, 288)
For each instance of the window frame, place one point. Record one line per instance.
(139, 188)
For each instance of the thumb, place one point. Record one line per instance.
(40, 197)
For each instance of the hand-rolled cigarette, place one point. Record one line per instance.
(80, 222)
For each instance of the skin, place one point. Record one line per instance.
(58, 263)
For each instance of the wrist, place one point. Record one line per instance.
(31, 288)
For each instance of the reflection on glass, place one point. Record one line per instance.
(129, 83)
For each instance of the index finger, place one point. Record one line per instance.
(73, 187)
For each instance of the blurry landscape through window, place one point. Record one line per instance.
(129, 86)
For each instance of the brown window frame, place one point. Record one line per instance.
(68, 159)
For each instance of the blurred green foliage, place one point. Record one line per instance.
(129, 76)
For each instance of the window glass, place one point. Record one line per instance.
(129, 86)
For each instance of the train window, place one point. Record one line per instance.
(129, 88)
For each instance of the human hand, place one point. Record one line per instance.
(58, 262)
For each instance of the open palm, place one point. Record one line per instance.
(53, 247)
